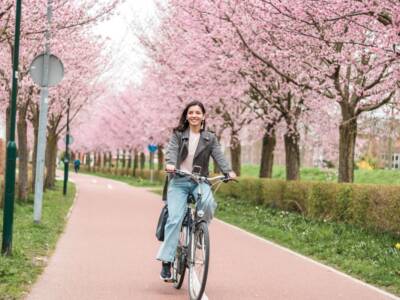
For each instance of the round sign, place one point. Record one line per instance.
(152, 148)
(71, 140)
(56, 70)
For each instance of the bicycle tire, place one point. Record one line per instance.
(179, 265)
(197, 285)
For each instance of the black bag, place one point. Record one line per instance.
(162, 220)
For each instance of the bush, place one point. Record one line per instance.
(272, 191)
(370, 206)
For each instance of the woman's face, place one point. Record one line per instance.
(195, 115)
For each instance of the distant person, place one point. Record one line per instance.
(77, 165)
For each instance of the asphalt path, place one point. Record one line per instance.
(108, 252)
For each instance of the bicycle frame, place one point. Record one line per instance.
(194, 224)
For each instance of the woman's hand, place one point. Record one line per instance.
(232, 175)
(170, 168)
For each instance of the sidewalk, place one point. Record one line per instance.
(108, 252)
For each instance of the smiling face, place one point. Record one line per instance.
(195, 116)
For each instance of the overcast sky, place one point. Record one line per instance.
(127, 53)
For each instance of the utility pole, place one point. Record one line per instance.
(11, 145)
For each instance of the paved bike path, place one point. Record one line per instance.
(108, 252)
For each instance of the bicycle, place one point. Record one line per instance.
(193, 251)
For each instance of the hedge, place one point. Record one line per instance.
(366, 205)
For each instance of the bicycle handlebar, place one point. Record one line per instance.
(197, 177)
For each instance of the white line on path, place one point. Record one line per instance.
(109, 186)
(313, 261)
(94, 180)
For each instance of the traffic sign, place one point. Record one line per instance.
(152, 148)
(56, 70)
(71, 139)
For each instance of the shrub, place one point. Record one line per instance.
(272, 191)
(341, 211)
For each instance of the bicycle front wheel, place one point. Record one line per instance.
(199, 261)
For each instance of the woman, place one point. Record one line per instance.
(190, 146)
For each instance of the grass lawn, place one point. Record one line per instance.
(33, 243)
(315, 174)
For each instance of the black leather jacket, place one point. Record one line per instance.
(177, 151)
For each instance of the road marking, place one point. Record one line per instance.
(311, 260)
(94, 180)
(109, 186)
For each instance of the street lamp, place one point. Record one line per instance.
(11, 146)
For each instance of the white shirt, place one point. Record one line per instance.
(187, 164)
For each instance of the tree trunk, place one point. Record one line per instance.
(130, 159)
(303, 149)
(35, 124)
(347, 141)
(98, 160)
(135, 162)
(160, 156)
(292, 151)
(51, 159)
(103, 165)
(123, 158)
(8, 123)
(142, 160)
(94, 161)
(267, 153)
(87, 160)
(117, 163)
(389, 161)
(236, 151)
(22, 126)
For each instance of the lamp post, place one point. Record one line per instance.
(66, 156)
(11, 145)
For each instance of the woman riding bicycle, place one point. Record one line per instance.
(190, 146)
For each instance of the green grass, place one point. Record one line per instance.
(315, 174)
(369, 256)
(33, 243)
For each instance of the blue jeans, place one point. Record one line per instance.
(178, 190)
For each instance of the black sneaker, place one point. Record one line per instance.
(166, 271)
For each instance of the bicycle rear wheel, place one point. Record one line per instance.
(179, 265)
(199, 261)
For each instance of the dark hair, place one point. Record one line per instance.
(184, 123)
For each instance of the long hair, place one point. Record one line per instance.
(184, 123)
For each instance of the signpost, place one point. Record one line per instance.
(152, 149)
(46, 70)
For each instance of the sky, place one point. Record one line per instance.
(128, 56)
